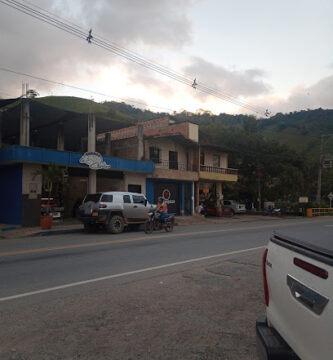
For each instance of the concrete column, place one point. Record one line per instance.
(182, 199)
(107, 144)
(61, 138)
(218, 188)
(91, 132)
(92, 182)
(140, 143)
(192, 198)
(25, 123)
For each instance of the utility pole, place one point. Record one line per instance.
(320, 170)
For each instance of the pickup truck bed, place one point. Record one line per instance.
(298, 275)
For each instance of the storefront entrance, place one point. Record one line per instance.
(170, 191)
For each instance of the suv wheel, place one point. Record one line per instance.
(116, 224)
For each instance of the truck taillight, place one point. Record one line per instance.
(264, 274)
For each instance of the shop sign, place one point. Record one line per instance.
(94, 160)
(166, 195)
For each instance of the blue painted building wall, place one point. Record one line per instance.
(68, 158)
(150, 191)
(11, 194)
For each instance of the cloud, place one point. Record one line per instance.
(247, 83)
(318, 95)
(30, 46)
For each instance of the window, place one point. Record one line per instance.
(202, 158)
(138, 199)
(127, 199)
(173, 160)
(107, 198)
(92, 197)
(154, 154)
(216, 160)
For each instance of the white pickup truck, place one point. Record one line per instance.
(298, 287)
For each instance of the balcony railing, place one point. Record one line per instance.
(213, 169)
(173, 165)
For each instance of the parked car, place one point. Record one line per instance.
(113, 210)
(235, 206)
(54, 210)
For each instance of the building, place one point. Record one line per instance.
(29, 141)
(160, 157)
(213, 172)
(185, 171)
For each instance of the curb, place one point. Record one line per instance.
(57, 232)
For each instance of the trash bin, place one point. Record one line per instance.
(309, 212)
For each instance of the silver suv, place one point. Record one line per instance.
(235, 206)
(113, 210)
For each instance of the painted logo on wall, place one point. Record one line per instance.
(166, 195)
(94, 160)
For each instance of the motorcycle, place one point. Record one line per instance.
(274, 211)
(155, 222)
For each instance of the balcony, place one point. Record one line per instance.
(173, 165)
(218, 174)
(175, 170)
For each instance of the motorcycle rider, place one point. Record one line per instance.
(162, 209)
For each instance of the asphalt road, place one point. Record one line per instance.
(85, 287)
(34, 264)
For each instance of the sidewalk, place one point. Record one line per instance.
(74, 226)
(59, 227)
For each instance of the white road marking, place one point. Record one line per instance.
(108, 277)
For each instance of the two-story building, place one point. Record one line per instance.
(213, 172)
(185, 171)
(30, 141)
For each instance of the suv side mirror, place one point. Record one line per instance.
(145, 202)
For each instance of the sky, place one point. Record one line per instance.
(274, 55)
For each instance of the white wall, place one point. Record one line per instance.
(31, 186)
(135, 179)
(166, 145)
(209, 158)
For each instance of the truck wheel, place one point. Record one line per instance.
(116, 224)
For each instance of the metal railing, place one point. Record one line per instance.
(173, 165)
(218, 170)
(319, 211)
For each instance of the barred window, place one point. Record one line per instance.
(154, 154)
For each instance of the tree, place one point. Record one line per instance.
(51, 176)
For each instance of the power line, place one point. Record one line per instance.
(80, 88)
(79, 32)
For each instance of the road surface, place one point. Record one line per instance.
(191, 294)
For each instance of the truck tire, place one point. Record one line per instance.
(116, 224)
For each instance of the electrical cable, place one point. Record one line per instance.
(120, 51)
(80, 88)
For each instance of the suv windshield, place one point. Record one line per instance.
(92, 197)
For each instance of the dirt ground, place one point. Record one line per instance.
(204, 311)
